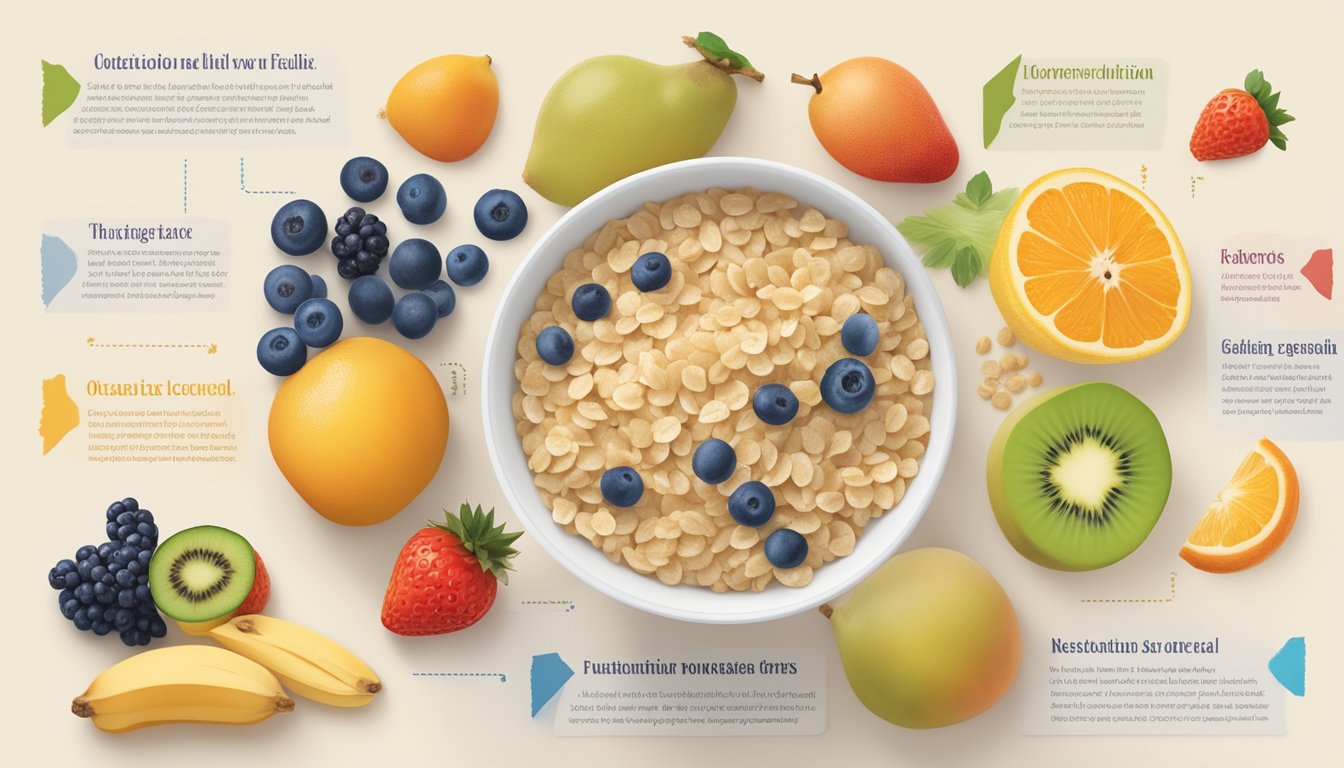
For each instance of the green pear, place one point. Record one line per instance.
(930, 639)
(612, 116)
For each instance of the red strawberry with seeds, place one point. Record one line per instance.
(1239, 122)
(446, 576)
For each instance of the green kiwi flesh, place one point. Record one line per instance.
(201, 573)
(1079, 475)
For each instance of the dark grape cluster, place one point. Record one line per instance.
(107, 587)
(360, 243)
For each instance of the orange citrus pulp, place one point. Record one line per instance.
(1250, 517)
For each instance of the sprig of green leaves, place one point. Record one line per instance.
(960, 236)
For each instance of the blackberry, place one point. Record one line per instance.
(360, 243)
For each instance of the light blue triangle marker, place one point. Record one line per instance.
(1289, 666)
(549, 675)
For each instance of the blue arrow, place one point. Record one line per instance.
(1289, 666)
(549, 675)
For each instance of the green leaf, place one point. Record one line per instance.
(715, 46)
(967, 266)
(941, 255)
(960, 235)
(59, 91)
(1256, 85)
(1281, 117)
(979, 188)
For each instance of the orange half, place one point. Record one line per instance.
(1251, 516)
(1088, 269)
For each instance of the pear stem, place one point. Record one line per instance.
(813, 81)
(723, 63)
(826, 610)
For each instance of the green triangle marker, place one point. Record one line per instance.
(59, 91)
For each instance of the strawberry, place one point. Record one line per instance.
(446, 576)
(256, 600)
(1239, 122)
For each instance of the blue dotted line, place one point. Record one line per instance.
(184, 185)
(500, 675)
(569, 604)
(242, 182)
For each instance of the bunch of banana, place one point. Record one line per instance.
(181, 684)
(309, 664)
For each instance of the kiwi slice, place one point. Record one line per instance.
(1079, 475)
(201, 573)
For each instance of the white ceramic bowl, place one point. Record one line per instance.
(881, 537)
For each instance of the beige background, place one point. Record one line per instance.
(333, 578)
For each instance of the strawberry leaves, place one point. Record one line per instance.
(1268, 98)
(479, 535)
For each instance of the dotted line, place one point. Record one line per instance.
(1171, 599)
(242, 182)
(151, 346)
(463, 393)
(500, 675)
(1194, 179)
(569, 604)
(184, 185)
(1143, 176)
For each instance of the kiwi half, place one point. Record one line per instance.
(201, 573)
(1079, 475)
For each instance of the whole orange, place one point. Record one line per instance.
(876, 119)
(360, 430)
(445, 107)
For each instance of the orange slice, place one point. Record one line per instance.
(1251, 516)
(1088, 269)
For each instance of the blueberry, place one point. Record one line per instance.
(84, 593)
(72, 580)
(135, 540)
(129, 639)
(130, 503)
(142, 624)
(847, 386)
(85, 552)
(143, 594)
(364, 179)
(281, 352)
(81, 620)
(125, 578)
(135, 568)
(82, 569)
(144, 557)
(107, 550)
(714, 461)
(101, 628)
(590, 302)
(114, 509)
(775, 404)
(371, 299)
(146, 609)
(785, 548)
(123, 531)
(69, 607)
(859, 334)
(55, 580)
(123, 619)
(157, 627)
(319, 287)
(144, 516)
(147, 529)
(98, 572)
(299, 227)
(286, 287)
(124, 555)
(445, 299)
(64, 567)
(414, 315)
(415, 264)
(126, 598)
(126, 518)
(422, 199)
(467, 265)
(112, 529)
(500, 214)
(555, 345)
(651, 271)
(752, 504)
(622, 486)
(318, 323)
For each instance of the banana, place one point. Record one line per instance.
(181, 684)
(309, 664)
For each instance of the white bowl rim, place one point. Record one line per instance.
(736, 605)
